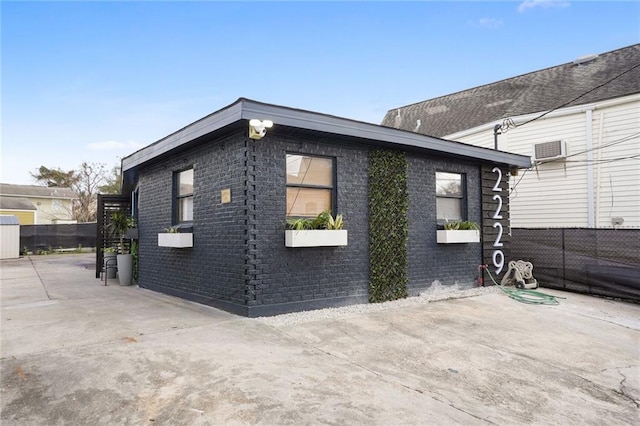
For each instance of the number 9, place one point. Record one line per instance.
(499, 264)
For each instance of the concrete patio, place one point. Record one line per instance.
(77, 352)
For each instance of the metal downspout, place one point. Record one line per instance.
(590, 186)
(599, 170)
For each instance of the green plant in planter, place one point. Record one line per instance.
(120, 222)
(299, 224)
(460, 225)
(323, 221)
(171, 230)
(109, 250)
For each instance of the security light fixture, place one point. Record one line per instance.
(258, 128)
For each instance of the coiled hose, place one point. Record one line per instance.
(527, 296)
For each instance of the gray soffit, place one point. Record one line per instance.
(246, 109)
(584, 81)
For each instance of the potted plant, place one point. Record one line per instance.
(172, 237)
(459, 232)
(119, 224)
(321, 231)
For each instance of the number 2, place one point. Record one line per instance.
(496, 187)
(497, 214)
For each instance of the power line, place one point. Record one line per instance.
(583, 163)
(606, 145)
(584, 94)
(513, 189)
(579, 163)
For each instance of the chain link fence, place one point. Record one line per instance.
(604, 262)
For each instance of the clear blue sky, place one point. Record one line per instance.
(94, 81)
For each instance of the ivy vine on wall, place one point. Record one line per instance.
(388, 227)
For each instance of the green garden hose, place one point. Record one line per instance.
(527, 296)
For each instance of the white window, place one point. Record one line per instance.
(57, 206)
(450, 197)
(184, 196)
(310, 185)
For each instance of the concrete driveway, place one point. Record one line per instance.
(76, 352)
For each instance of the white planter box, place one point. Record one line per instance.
(458, 236)
(178, 240)
(315, 238)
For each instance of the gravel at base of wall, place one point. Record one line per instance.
(437, 293)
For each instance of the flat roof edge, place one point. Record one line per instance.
(308, 120)
(343, 126)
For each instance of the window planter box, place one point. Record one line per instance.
(315, 238)
(177, 240)
(458, 236)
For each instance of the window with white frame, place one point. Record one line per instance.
(450, 197)
(310, 185)
(183, 189)
(57, 205)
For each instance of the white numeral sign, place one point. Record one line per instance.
(498, 255)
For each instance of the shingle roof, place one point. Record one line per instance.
(537, 91)
(16, 203)
(36, 191)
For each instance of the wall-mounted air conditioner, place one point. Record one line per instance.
(549, 151)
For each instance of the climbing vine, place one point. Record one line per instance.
(388, 204)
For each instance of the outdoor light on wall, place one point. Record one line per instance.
(258, 128)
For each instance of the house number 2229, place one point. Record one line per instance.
(498, 255)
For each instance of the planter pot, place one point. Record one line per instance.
(125, 269)
(111, 270)
(177, 240)
(458, 236)
(315, 238)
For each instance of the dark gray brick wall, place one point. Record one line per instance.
(239, 261)
(300, 278)
(213, 272)
(428, 260)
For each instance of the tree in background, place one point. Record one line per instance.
(55, 177)
(87, 182)
(91, 176)
(113, 182)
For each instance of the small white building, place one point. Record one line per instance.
(9, 237)
(580, 123)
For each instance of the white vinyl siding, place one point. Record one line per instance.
(555, 194)
(618, 181)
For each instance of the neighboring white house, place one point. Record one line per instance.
(37, 205)
(580, 123)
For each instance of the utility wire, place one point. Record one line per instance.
(607, 160)
(584, 94)
(514, 186)
(613, 160)
(606, 145)
(511, 124)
